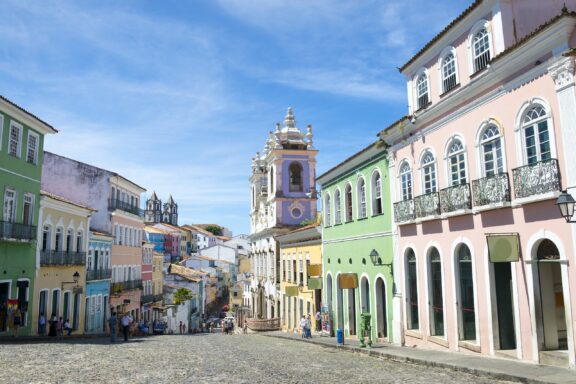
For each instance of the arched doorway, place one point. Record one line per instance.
(465, 284)
(329, 293)
(340, 305)
(261, 303)
(436, 293)
(551, 321)
(364, 295)
(352, 310)
(381, 312)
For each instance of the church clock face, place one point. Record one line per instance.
(296, 213)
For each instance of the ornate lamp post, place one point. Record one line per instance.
(377, 260)
(565, 203)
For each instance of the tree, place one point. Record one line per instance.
(182, 295)
(214, 229)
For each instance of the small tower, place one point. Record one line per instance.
(153, 212)
(170, 214)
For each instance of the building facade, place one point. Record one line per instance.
(301, 276)
(485, 261)
(357, 243)
(283, 195)
(21, 156)
(147, 299)
(98, 277)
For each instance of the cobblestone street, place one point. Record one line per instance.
(212, 358)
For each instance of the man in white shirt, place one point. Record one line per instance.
(126, 320)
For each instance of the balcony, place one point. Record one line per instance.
(124, 206)
(17, 231)
(455, 198)
(51, 258)
(536, 179)
(404, 211)
(126, 286)
(491, 190)
(146, 299)
(98, 274)
(158, 297)
(427, 205)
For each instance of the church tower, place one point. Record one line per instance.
(170, 214)
(153, 212)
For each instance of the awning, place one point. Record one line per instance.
(291, 291)
(503, 248)
(315, 270)
(347, 281)
(315, 283)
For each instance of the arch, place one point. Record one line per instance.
(339, 303)
(491, 154)
(456, 165)
(365, 293)
(329, 292)
(348, 202)
(531, 114)
(436, 292)
(295, 174)
(448, 69)
(337, 206)
(405, 176)
(428, 171)
(422, 89)
(411, 289)
(376, 192)
(362, 204)
(465, 292)
(480, 46)
(380, 294)
(327, 206)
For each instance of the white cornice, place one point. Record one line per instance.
(359, 237)
(25, 118)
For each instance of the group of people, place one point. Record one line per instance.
(228, 326)
(125, 322)
(305, 325)
(56, 326)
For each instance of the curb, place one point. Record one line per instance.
(411, 360)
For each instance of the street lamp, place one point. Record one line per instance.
(565, 203)
(377, 260)
(75, 277)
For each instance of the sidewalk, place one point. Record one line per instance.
(501, 369)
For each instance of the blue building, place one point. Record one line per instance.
(98, 275)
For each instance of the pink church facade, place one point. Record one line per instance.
(486, 262)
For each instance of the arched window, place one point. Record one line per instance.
(412, 290)
(337, 202)
(467, 318)
(492, 159)
(448, 72)
(348, 202)
(271, 180)
(376, 193)
(361, 198)
(58, 243)
(428, 173)
(406, 181)
(536, 135)
(46, 238)
(436, 294)
(481, 49)
(295, 173)
(456, 163)
(327, 211)
(422, 91)
(80, 241)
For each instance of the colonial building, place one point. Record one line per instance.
(61, 277)
(147, 299)
(301, 279)
(485, 259)
(157, 284)
(21, 156)
(282, 196)
(98, 277)
(357, 243)
(117, 201)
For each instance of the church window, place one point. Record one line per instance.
(295, 173)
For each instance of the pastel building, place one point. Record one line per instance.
(283, 195)
(147, 299)
(484, 259)
(98, 277)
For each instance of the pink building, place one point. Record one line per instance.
(485, 259)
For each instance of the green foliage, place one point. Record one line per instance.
(307, 222)
(214, 229)
(182, 295)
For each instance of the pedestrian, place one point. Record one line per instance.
(112, 323)
(308, 328)
(16, 321)
(245, 327)
(318, 321)
(53, 322)
(303, 326)
(42, 324)
(67, 327)
(180, 327)
(60, 327)
(126, 320)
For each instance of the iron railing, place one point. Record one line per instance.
(455, 198)
(449, 83)
(124, 206)
(427, 205)
(404, 211)
(98, 274)
(490, 190)
(158, 297)
(62, 258)
(423, 101)
(17, 231)
(481, 61)
(536, 179)
(146, 299)
(126, 285)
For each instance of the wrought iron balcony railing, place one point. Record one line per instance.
(126, 286)
(17, 231)
(491, 190)
(536, 179)
(404, 211)
(427, 205)
(62, 258)
(124, 206)
(455, 198)
(158, 297)
(98, 274)
(145, 299)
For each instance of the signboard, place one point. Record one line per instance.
(315, 270)
(292, 291)
(503, 247)
(347, 281)
(325, 320)
(12, 304)
(315, 283)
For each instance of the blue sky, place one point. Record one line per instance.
(179, 95)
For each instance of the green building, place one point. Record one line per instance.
(357, 242)
(21, 152)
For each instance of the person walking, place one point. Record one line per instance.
(16, 321)
(126, 320)
(308, 328)
(42, 324)
(303, 326)
(60, 327)
(180, 327)
(112, 323)
(67, 327)
(245, 327)
(318, 321)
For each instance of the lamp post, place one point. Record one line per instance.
(75, 277)
(377, 260)
(565, 203)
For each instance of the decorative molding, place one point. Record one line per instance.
(562, 72)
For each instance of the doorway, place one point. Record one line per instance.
(382, 321)
(340, 305)
(4, 294)
(505, 305)
(352, 311)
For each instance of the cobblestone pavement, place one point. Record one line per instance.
(213, 358)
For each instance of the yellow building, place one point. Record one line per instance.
(63, 229)
(300, 276)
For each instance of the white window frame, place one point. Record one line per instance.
(376, 192)
(14, 200)
(32, 206)
(479, 25)
(327, 217)
(480, 146)
(421, 74)
(448, 158)
(36, 146)
(521, 155)
(407, 194)
(337, 207)
(362, 211)
(20, 127)
(433, 172)
(441, 60)
(346, 199)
